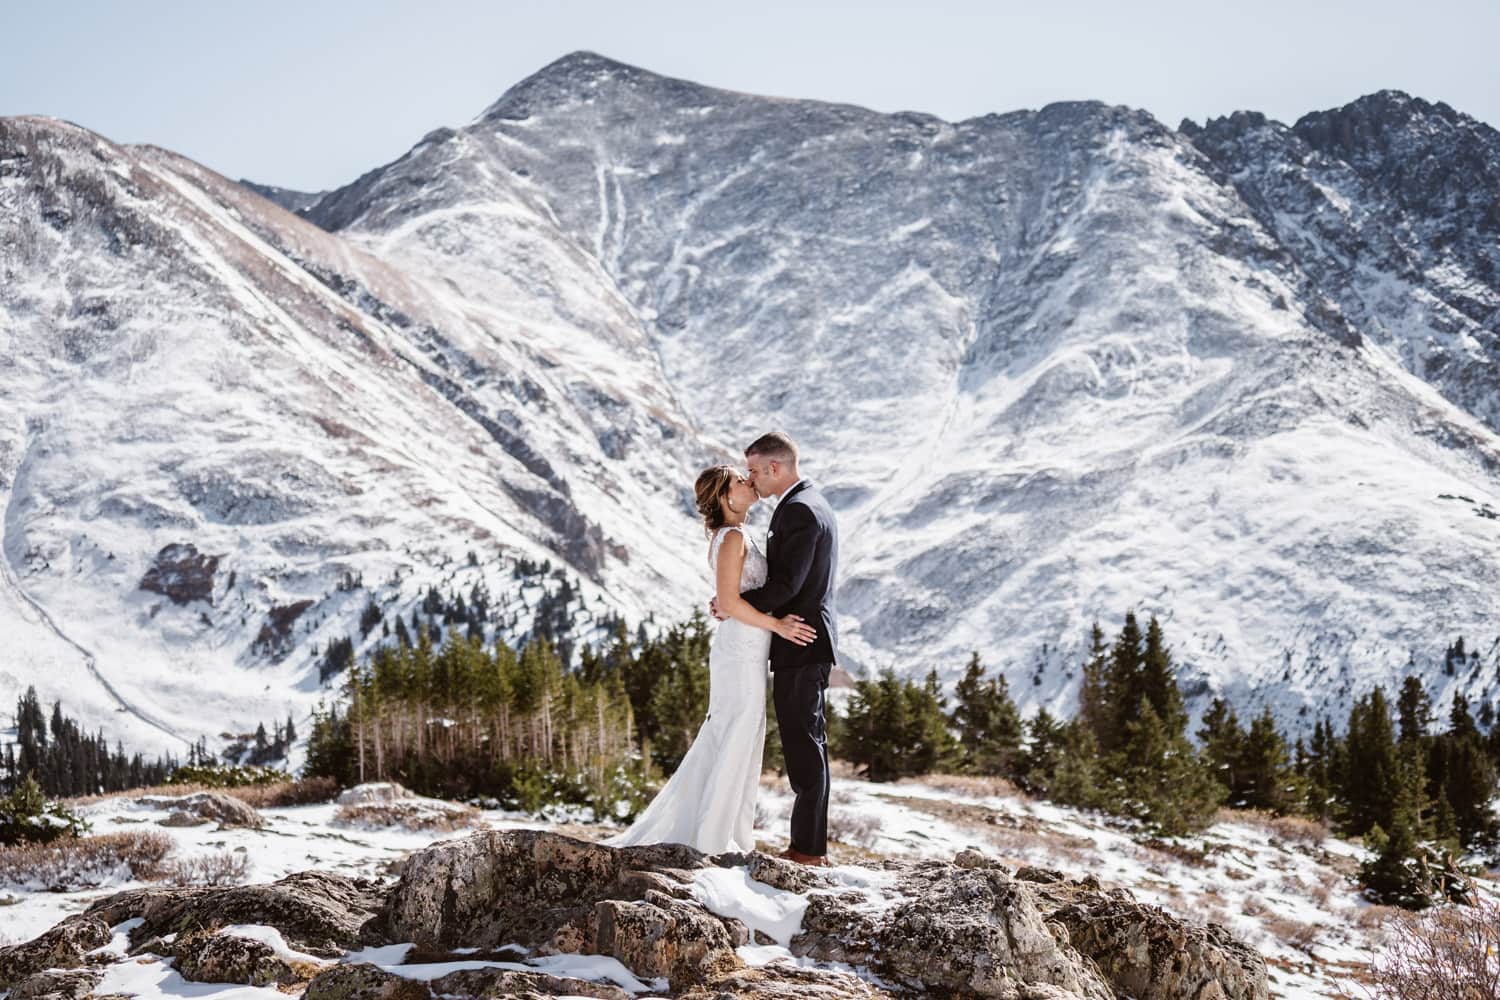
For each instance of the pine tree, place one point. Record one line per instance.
(1221, 740)
(1158, 682)
(1094, 694)
(1122, 686)
(1371, 776)
(987, 721)
(1268, 780)
(1414, 710)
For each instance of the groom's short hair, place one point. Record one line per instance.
(775, 446)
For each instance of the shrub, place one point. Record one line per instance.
(1448, 953)
(227, 776)
(85, 862)
(27, 817)
(286, 793)
(219, 868)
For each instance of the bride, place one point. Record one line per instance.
(709, 802)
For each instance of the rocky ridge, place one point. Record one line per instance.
(498, 913)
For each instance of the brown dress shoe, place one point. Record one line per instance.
(815, 860)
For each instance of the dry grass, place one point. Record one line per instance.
(1374, 917)
(969, 785)
(65, 865)
(219, 868)
(1291, 932)
(1194, 857)
(279, 794)
(1292, 829)
(408, 814)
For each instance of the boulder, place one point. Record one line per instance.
(62, 947)
(1146, 953)
(558, 894)
(363, 981)
(373, 791)
(974, 931)
(227, 810)
(317, 912)
(493, 984)
(210, 957)
(58, 984)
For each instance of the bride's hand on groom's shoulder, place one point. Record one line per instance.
(794, 630)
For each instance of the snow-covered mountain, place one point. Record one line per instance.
(1050, 365)
(217, 421)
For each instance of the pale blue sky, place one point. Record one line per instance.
(310, 95)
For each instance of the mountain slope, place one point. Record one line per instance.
(221, 417)
(1050, 365)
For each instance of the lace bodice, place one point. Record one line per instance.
(753, 573)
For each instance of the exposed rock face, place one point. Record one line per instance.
(187, 810)
(62, 947)
(1147, 954)
(969, 928)
(57, 984)
(552, 892)
(210, 957)
(972, 931)
(182, 573)
(317, 912)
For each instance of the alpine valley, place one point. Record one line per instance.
(1049, 365)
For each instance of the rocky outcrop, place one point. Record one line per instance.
(317, 912)
(62, 947)
(557, 894)
(970, 931)
(58, 984)
(965, 928)
(211, 957)
(204, 807)
(182, 573)
(362, 981)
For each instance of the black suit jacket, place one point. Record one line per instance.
(802, 554)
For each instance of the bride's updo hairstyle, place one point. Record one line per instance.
(713, 482)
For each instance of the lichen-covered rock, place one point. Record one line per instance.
(660, 936)
(210, 957)
(504, 886)
(57, 984)
(227, 810)
(494, 984)
(559, 894)
(966, 928)
(1148, 954)
(363, 981)
(783, 981)
(62, 947)
(317, 912)
(972, 930)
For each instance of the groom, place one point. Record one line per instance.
(802, 554)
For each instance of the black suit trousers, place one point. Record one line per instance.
(798, 695)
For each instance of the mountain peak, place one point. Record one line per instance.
(567, 79)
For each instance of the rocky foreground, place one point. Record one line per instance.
(480, 917)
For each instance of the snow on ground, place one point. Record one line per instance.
(1284, 888)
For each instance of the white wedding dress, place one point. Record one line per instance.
(709, 802)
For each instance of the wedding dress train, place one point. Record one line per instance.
(709, 802)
